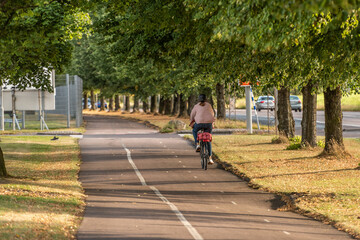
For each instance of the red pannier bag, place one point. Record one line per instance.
(205, 137)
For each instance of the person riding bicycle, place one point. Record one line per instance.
(203, 116)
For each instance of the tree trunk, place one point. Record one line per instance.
(162, 105)
(192, 100)
(145, 105)
(111, 104)
(153, 104)
(176, 107)
(92, 99)
(102, 104)
(308, 122)
(136, 104)
(183, 107)
(117, 102)
(85, 100)
(220, 96)
(168, 106)
(127, 103)
(3, 172)
(333, 121)
(286, 125)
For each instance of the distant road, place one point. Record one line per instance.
(351, 121)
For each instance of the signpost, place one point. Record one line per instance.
(249, 97)
(253, 101)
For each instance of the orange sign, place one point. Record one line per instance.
(244, 83)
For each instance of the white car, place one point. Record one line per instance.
(265, 102)
(295, 103)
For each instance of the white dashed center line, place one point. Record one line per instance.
(180, 216)
(266, 220)
(233, 202)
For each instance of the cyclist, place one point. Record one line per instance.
(203, 116)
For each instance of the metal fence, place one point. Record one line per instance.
(67, 113)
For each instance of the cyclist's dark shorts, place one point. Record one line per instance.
(206, 126)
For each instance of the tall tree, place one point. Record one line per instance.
(333, 120)
(153, 104)
(308, 122)
(286, 125)
(117, 102)
(35, 39)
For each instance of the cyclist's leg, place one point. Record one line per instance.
(210, 149)
(206, 155)
(209, 130)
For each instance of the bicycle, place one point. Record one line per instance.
(204, 141)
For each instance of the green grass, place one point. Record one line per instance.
(324, 188)
(43, 198)
(348, 103)
(240, 103)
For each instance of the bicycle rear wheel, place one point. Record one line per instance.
(204, 155)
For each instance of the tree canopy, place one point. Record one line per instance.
(35, 38)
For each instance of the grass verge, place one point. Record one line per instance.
(326, 189)
(348, 103)
(43, 198)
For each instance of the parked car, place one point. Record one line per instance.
(88, 103)
(265, 102)
(99, 104)
(295, 103)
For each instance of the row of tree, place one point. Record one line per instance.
(174, 105)
(184, 47)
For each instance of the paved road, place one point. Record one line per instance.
(145, 185)
(351, 121)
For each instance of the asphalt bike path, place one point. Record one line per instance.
(141, 184)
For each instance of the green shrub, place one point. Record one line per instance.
(295, 143)
(321, 144)
(167, 129)
(173, 126)
(296, 139)
(294, 146)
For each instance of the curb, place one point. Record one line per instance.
(61, 133)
